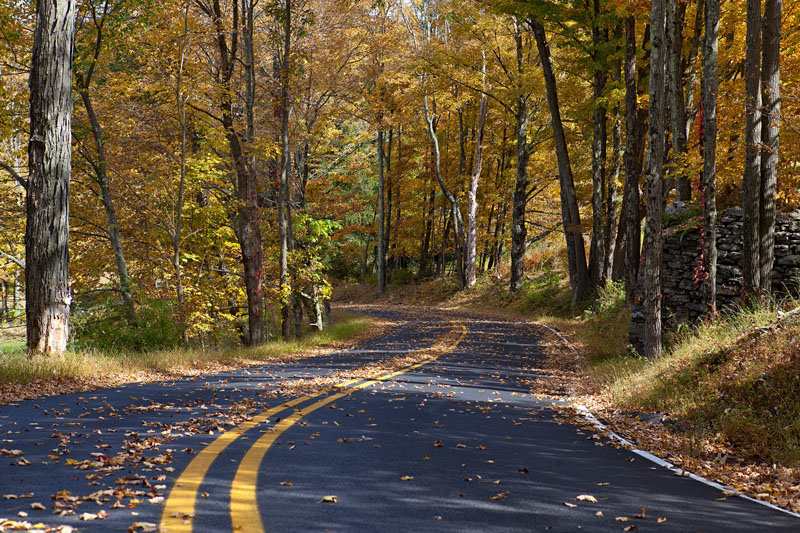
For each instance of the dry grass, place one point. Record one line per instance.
(16, 368)
(731, 387)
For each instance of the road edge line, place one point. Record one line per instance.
(587, 414)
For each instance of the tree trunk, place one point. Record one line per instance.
(599, 142)
(101, 177)
(47, 289)
(770, 136)
(175, 237)
(711, 82)
(387, 230)
(655, 173)
(458, 223)
(424, 253)
(751, 182)
(83, 81)
(611, 199)
(630, 199)
(676, 14)
(381, 218)
(472, 194)
(570, 216)
(283, 192)
(519, 229)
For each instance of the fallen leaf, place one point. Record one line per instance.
(622, 519)
(286, 483)
(38, 506)
(438, 443)
(329, 499)
(407, 478)
(570, 505)
(631, 528)
(146, 527)
(88, 516)
(500, 495)
(643, 514)
(661, 519)
(599, 513)
(586, 498)
(523, 470)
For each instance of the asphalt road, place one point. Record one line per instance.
(451, 443)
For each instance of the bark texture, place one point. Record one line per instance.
(655, 172)
(710, 154)
(47, 288)
(751, 182)
(770, 136)
(630, 195)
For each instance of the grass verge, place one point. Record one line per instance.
(16, 368)
(734, 383)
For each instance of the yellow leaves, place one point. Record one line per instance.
(406, 478)
(329, 499)
(586, 498)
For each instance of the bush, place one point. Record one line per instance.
(107, 328)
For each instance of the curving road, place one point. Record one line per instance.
(451, 441)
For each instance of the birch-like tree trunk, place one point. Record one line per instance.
(47, 289)
(655, 179)
(472, 193)
(710, 85)
(455, 212)
(284, 213)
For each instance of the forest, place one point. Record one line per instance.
(205, 171)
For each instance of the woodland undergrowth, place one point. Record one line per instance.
(17, 368)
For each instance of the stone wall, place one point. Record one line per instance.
(683, 302)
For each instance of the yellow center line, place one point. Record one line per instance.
(179, 508)
(245, 511)
(178, 514)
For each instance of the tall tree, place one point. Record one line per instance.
(47, 288)
(472, 192)
(570, 215)
(676, 13)
(770, 137)
(98, 15)
(599, 150)
(751, 182)
(381, 257)
(245, 215)
(709, 200)
(630, 196)
(284, 212)
(655, 174)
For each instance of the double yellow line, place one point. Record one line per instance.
(178, 514)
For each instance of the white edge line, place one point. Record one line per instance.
(584, 411)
